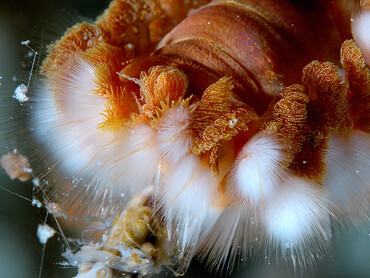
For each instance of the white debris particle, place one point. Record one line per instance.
(232, 123)
(20, 93)
(26, 42)
(36, 203)
(14, 78)
(16, 166)
(130, 46)
(44, 232)
(36, 182)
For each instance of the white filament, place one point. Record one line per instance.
(348, 176)
(361, 32)
(174, 140)
(258, 168)
(100, 167)
(186, 195)
(298, 214)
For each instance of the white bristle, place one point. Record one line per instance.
(186, 196)
(69, 118)
(229, 237)
(95, 168)
(258, 169)
(361, 32)
(132, 159)
(291, 226)
(298, 214)
(173, 139)
(348, 176)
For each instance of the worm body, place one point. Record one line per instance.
(260, 44)
(233, 113)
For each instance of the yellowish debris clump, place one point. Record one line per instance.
(134, 245)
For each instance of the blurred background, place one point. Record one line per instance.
(41, 21)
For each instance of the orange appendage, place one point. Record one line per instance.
(77, 39)
(160, 86)
(217, 118)
(108, 60)
(127, 22)
(329, 108)
(90, 44)
(143, 23)
(217, 100)
(358, 79)
(328, 113)
(365, 3)
(287, 119)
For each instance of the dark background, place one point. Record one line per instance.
(20, 251)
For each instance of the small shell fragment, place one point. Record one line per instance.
(98, 270)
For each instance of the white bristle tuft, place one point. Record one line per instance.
(292, 226)
(348, 175)
(173, 138)
(361, 32)
(297, 215)
(229, 238)
(258, 169)
(132, 160)
(186, 197)
(69, 117)
(97, 169)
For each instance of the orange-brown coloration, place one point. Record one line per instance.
(288, 119)
(161, 85)
(196, 57)
(143, 23)
(328, 97)
(341, 11)
(237, 68)
(17, 166)
(218, 117)
(127, 22)
(77, 39)
(332, 107)
(365, 3)
(108, 60)
(138, 229)
(358, 80)
(328, 111)
(235, 47)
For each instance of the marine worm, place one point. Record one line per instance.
(242, 125)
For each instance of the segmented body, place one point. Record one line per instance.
(221, 114)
